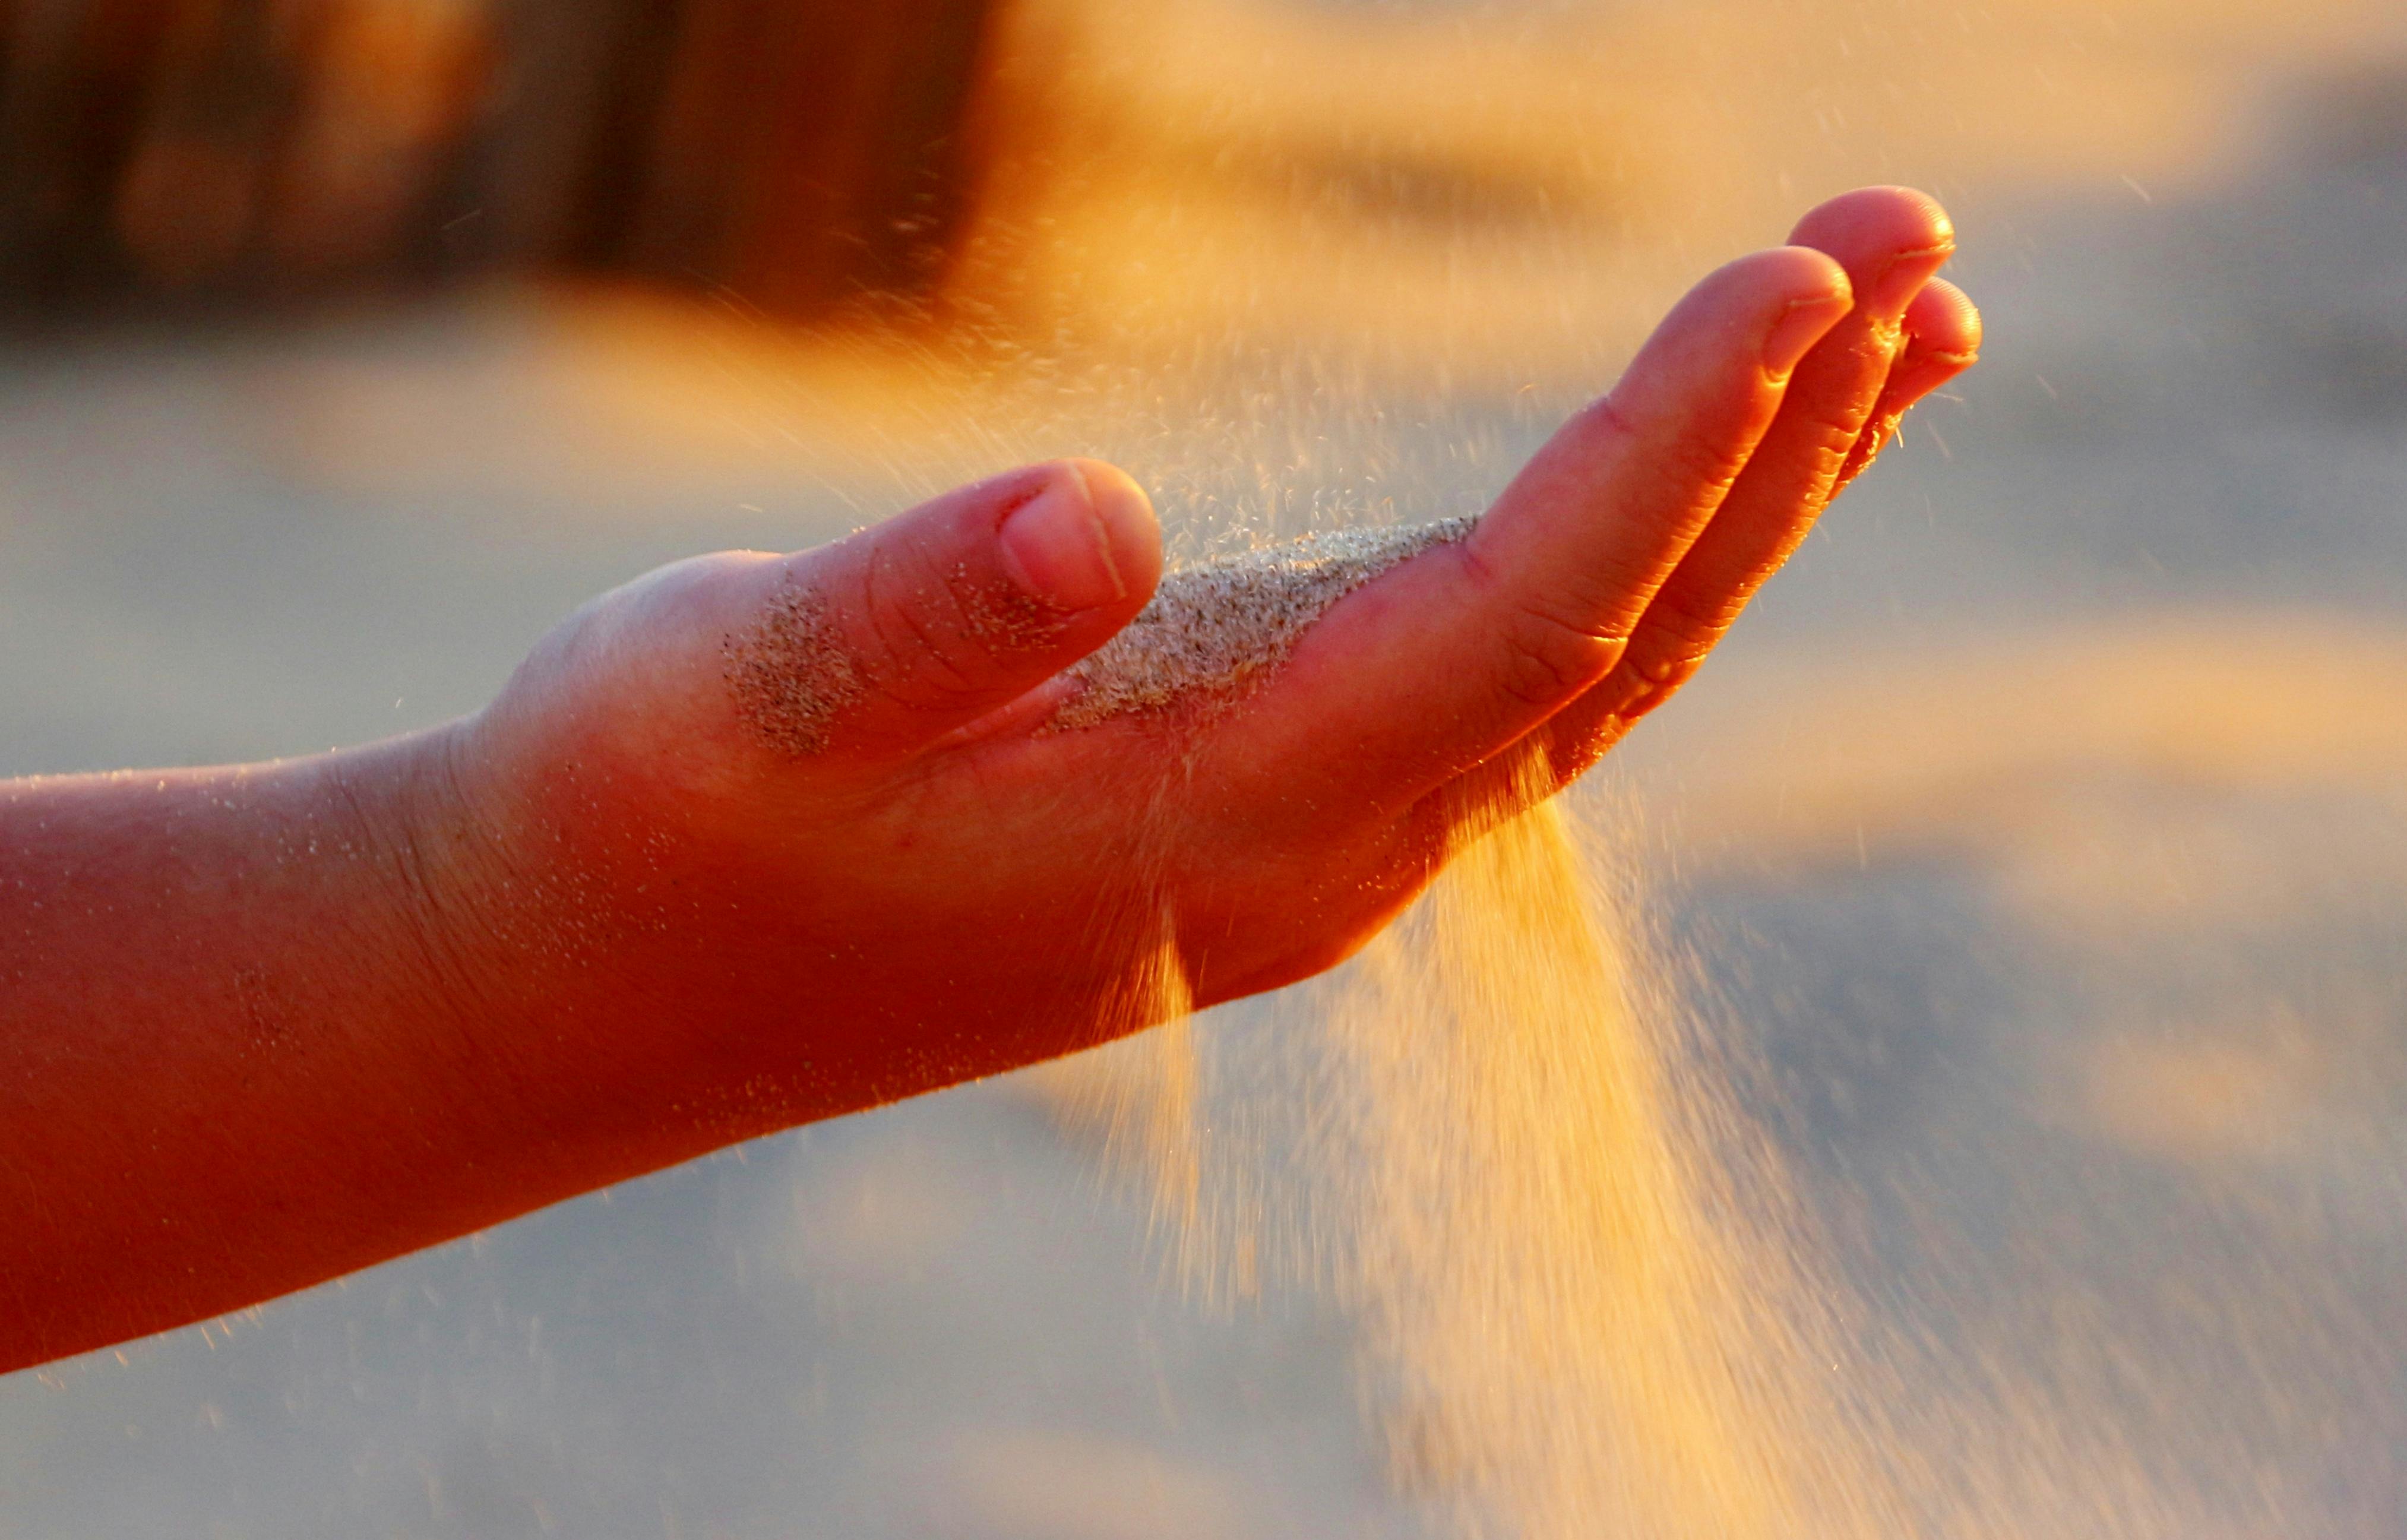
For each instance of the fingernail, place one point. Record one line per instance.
(1904, 278)
(1056, 550)
(1802, 325)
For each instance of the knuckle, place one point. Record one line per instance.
(1657, 685)
(1814, 448)
(1548, 659)
(1610, 419)
(1688, 459)
(909, 655)
(1690, 625)
(1835, 439)
(1647, 676)
(1868, 446)
(1705, 462)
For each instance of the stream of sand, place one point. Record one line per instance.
(1511, 1143)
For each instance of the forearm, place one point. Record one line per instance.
(241, 1049)
(263, 1025)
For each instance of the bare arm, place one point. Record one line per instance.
(232, 1039)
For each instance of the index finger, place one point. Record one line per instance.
(1461, 651)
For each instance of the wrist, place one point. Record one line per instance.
(407, 807)
(470, 910)
(544, 908)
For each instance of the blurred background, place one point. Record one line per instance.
(2044, 828)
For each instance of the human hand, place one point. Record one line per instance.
(763, 838)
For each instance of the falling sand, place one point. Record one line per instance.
(1588, 1303)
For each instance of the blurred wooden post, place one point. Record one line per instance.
(807, 151)
(75, 87)
(804, 154)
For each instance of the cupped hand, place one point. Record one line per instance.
(774, 838)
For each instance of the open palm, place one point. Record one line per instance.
(815, 821)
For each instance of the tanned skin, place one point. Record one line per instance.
(262, 1025)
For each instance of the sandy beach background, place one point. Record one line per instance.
(2046, 826)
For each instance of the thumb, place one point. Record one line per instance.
(887, 640)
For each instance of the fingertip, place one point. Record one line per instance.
(1079, 535)
(1781, 299)
(1815, 294)
(1943, 320)
(1787, 276)
(1132, 533)
(1896, 219)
